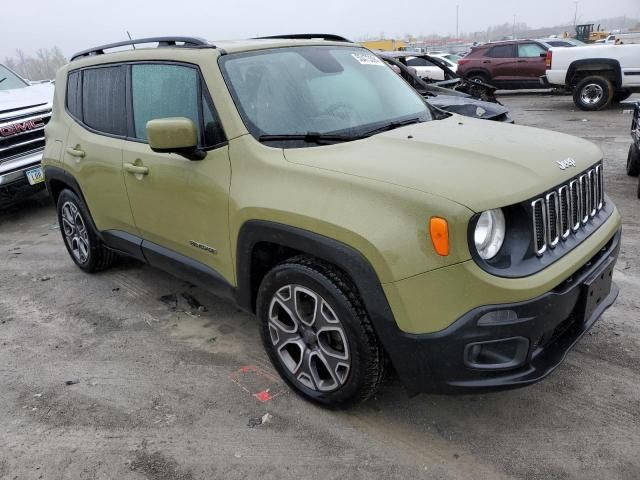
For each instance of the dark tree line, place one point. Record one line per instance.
(40, 66)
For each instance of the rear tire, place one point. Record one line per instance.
(478, 76)
(318, 334)
(621, 95)
(80, 237)
(633, 161)
(593, 93)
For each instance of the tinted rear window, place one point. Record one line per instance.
(502, 51)
(103, 100)
(73, 95)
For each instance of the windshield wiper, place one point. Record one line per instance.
(393, 126)
(3, 79)
(310, 137)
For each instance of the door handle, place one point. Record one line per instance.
(487, 61)
(522, 61)
(76, 152)
(131, 168)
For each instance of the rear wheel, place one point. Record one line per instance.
(82, 241)
(478, 77)
(593, 93)
(633, 161)
(318, 334)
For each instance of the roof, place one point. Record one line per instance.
(225, 46)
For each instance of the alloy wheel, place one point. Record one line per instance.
(309, 338)
(75, 232)
(592, 94)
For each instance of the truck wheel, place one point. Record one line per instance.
(633, 161)
(593, 93)
(318, 334)
(621, 95)
(82, 241)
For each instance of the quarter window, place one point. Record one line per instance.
(73, 94)
(103, 99)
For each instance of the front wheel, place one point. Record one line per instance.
(593, 93)
(82, 241)
(318, 334)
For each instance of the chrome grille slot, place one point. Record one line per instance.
(564, 204)
(539, 226)
(564, 211)
(551, 203)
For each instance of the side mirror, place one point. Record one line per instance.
(543, 54)
(174, 135)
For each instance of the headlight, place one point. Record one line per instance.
(489, 234)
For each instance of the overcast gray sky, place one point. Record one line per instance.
(78, 24)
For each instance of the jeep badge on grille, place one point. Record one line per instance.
(566, 163)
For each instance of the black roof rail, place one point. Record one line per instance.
(307, 36)
(161, 41)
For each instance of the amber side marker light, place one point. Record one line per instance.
(439, 230)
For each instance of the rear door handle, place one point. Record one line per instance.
(522, 61)
(76, 152)
(131, 168)
(487, 61)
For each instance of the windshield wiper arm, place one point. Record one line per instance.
(310, 137)
(393, 126)
(3, 79)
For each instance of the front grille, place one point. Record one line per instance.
(565, 210)
(22, 133)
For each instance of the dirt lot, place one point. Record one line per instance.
(166, 383)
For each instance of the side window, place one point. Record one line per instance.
(530, 50)
(162, 91)
(502, 51)
(103, 99)
(73, 95)
(418, 62)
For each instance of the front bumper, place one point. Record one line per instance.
(528, 340)
(13, 172)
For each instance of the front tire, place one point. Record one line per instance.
(318, 334)
(81, 239)
(633, 161)
(593, 93)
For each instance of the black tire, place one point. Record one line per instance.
(366, 357)
(593, 93)
(621, 95)
(633, 161)
(92, 257)
(479, 76)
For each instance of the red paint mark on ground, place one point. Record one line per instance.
(257, 382)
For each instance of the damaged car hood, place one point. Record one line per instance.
(468, 106)
(478, 164)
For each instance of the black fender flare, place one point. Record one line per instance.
(585, 62)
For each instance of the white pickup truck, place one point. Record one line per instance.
(596, 74)
(24, 112)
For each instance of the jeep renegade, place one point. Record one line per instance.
(302, 178)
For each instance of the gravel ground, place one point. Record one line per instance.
(134, 374)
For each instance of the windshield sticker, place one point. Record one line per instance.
(367, 59)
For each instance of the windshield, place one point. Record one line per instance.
(9, 80)
(325, 90)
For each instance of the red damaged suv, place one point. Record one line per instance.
(510, 65)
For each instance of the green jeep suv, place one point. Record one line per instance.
(300, 177)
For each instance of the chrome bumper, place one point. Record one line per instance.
(15, 170)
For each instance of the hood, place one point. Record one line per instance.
(475, 163)
(29, 96)
(468, 106)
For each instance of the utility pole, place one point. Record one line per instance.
(457, 21)
(513, 34)
(575, 15)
